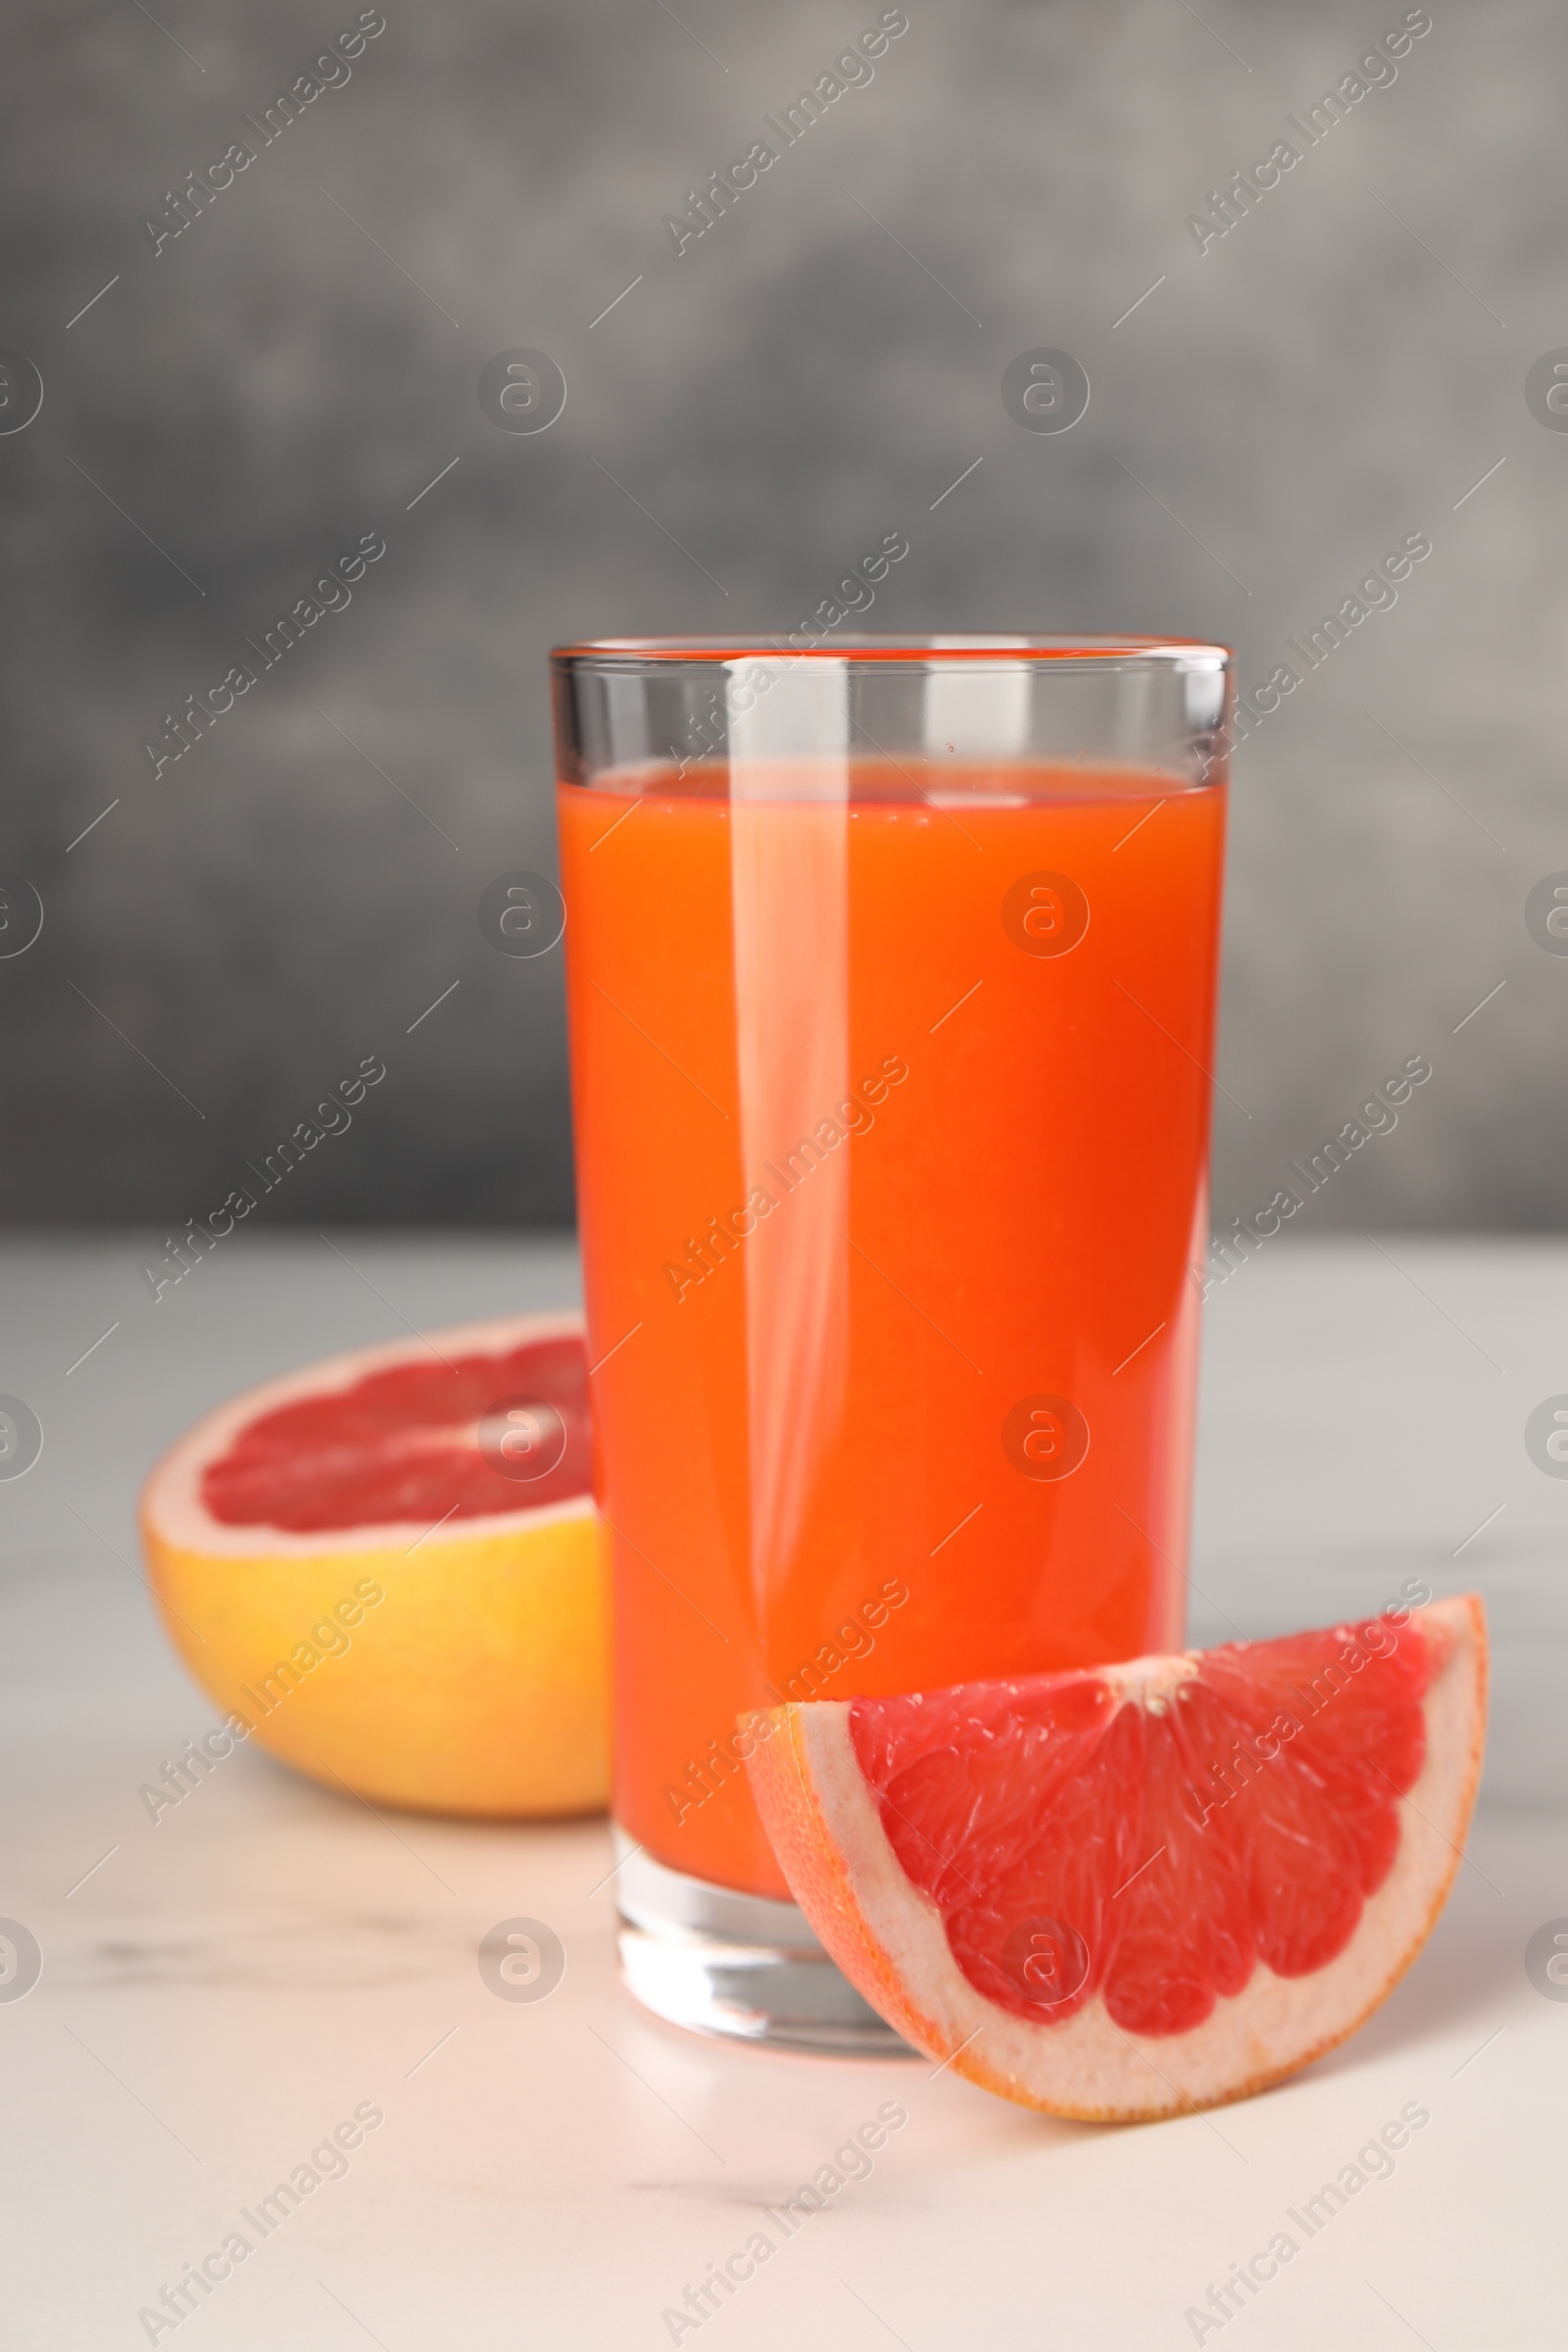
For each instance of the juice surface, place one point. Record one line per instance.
(892, 1119)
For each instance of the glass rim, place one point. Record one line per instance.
(1131, 653)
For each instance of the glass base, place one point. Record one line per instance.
(737, 1964)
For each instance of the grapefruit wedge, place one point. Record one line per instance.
(387, 1567)
(1148, 1887)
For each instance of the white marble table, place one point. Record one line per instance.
(221, 1991)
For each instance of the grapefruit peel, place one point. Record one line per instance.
(890, 1939)
(461, 1668)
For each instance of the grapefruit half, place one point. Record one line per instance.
(388, 1567)
(1144, 1888)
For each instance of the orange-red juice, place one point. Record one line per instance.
(892, 1121)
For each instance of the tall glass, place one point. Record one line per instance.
(891, 969)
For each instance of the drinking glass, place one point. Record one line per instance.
(891, 975)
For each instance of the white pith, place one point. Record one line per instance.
(172, 1504)
(1088, 2064)
(1152, 1682)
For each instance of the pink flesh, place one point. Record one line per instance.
(403, 1444)
(1075, 1840)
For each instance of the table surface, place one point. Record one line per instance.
(223, 1989)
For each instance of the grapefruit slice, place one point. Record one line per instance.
(387, 1566)
(1144, 1888)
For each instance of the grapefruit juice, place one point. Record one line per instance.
(891, 1106)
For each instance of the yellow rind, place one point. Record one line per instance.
(477, 1685)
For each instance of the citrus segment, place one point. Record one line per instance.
(1145, 1888)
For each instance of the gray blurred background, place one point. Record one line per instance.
(1337, 372)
